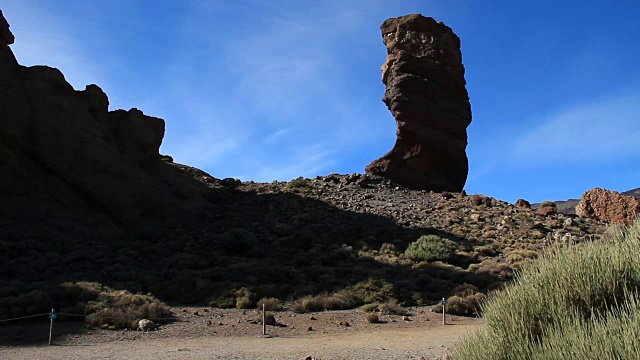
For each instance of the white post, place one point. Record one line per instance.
(264, 321)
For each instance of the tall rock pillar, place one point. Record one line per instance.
(425, 92)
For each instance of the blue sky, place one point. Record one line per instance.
(265, 90)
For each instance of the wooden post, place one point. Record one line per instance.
(52, 316)
(264, 321)
(444, 311)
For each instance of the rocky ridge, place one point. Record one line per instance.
(425, 92)
(69, 165)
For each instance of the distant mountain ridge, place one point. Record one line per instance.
(568, 207)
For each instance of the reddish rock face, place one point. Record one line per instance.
(425, 92)
(608, 205)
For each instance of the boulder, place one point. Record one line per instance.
(522, 203)
(609, 206)
(146, 325)
(425, 92)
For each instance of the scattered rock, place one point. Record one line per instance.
(547, 210)
(146, 325)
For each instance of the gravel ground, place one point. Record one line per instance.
(203, 333)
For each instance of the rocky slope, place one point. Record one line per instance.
(85, 196)
(425, 92)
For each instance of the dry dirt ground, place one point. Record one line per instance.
(201, 333)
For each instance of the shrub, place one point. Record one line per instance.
(269, 319)
(321, 302)
(244, 299)
(468, 305)
(370, 291)
(548, 203)
(431, 248)
(370, 307)
(223, 301)
(299, 183)
(270, 304)
(392, 308)
(118, 308)
(372, 318)
(578, 302)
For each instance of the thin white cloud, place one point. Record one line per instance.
(285, 91)
(597, 131)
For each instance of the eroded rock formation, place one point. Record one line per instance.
(66, 160)
(425, 92)
(609, 206)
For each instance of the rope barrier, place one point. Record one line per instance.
(83, 316)
(24, 317)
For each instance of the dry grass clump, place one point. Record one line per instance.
(269, 319)
(579, 302)
(321, 302)
(469, 305)
(392, 308)
(270, 304)
(372, 318)
(116, 308)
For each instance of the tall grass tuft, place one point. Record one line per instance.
(580, 302)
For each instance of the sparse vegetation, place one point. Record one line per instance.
(431, 248)
(300, 184)
(581, 302)
(116, 308)
(270, 304)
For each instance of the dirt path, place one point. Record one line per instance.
(421, 338)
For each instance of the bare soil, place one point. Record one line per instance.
(202, 333)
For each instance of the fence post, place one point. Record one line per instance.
(52, 316)
(444, 311)
(264, 321)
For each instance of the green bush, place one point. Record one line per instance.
(431, 248)
(580, 302)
